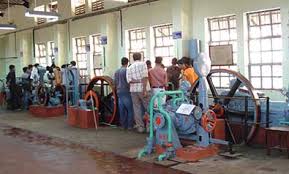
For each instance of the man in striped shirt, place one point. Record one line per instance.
(137, 77)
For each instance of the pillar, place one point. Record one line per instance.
(27, 48)
(111, 62)
(182, 21)
(61, 44)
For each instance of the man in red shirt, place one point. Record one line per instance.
(158, 78)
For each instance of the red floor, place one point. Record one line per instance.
(27, 153)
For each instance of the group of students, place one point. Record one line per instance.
(20, 95)
(138, 82)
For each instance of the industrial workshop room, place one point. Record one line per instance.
(144, 86)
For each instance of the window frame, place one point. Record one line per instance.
(41, 54)
(143, 39)
(271, 63)
(97, 5)
(220, 77)
(96, 42)
(171, 46)
(80, 54)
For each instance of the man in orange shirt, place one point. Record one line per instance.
(189, 73)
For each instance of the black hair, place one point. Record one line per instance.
(158, 60)
(25, 69)
(36, 64)
(30, 66)
(136, 56)
(124, 61)
(187, 61)
(11, 67)
(73, 63)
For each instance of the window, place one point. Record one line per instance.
(51, 52)
(79, 7)
(40, 53)
(164, 44)
(223, 31)
(265, 49)
(97, 55)
(81, 56)
(137, 41)
(97, 5)
(40, 20)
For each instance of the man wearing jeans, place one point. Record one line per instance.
(124, 98)
(137, 77)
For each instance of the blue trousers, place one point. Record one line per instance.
(125, 107)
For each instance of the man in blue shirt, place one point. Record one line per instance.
(125, 105)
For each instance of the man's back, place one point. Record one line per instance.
(120, 81)
(158, 77)
(135, 73)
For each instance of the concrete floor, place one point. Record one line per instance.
(129, 143)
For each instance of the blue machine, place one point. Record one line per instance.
(179, 118)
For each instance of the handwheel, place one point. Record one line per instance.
(241, 84)
(104, 88)
(42, 95)
(209, 121)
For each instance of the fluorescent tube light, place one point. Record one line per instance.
(41, 14)
(7, 27)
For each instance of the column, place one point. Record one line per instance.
(182, 21)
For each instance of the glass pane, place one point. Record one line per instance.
(255, 32)
(223, 24)
(265, 18)
(276, 18)
(277, 83)
(277, 56)
(277, 44)
(216, 81)
(255, 45)
(266, 31)
(277, 30)
(224, 35)
(233, 23)
(255, 57)
(266, 57)
(256, 82)
(159, 42)
(277, 69)
(214, 25)
(215, 35)
(132, 35)
(254, 19)
(266, 70)
(266, 44)
(167, 41)
(225, 82)
(255, 71)
(267, 83)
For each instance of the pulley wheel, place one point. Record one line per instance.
(104, 88)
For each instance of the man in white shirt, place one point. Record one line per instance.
(137, 77)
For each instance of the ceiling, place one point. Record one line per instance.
(4, 3)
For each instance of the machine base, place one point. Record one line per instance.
(81, 118)
(46, 112)
(192, 153)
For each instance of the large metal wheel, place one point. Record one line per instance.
(104, 88)
(240, 83)
(60, 90)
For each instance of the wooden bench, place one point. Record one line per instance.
(277, 138)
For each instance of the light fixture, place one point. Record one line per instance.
(9, 26)
(41, 14)
(124, 1)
